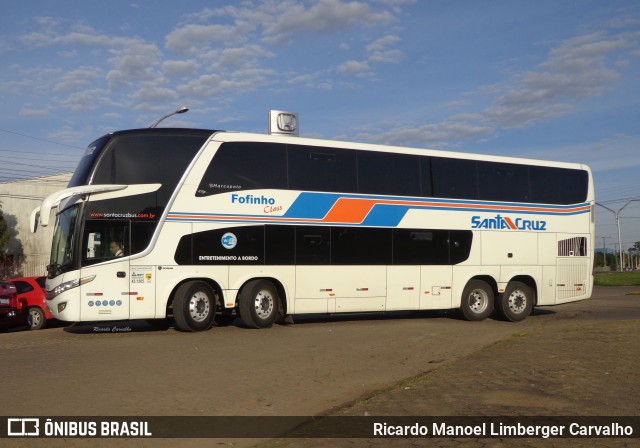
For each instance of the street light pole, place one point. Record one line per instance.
(604, 245)
(617, 215)
(181, 110)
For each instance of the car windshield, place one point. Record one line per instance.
(62, 247)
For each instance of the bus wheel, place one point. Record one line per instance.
(477, 300)
(259, 304)
(194, 306)
(516, 303)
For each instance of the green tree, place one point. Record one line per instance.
(5, 236)
(11, 251)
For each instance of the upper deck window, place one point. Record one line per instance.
(245, 166)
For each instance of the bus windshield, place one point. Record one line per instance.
(63, 240)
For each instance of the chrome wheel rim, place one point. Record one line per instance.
(263, 304)
(517, 301)
(199, 306)
(478, 301)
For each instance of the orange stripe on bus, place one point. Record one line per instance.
(349, 210)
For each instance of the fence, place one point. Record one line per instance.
(31, 266)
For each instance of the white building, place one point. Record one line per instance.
(17, 200)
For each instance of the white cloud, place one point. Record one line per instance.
(32, 80)
(354, 67)
(379, 50)
(193, 39)
(387, 57)
(231, 59)
(204, 86)
(133, 63)
(149, 92)
(180, 68)
(576, 68)
(618, 151)
(83, 101)
(29, 111)
(383, 43)
(438, 135)
(83, 35)
(70, 135)
(76, 79)
(324, 16)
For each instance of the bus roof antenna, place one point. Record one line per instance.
(181, 110)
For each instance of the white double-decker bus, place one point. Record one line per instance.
(204, 226)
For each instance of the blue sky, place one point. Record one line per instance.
(555, 80)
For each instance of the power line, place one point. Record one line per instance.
(75, 159)
(17, 196)
(27, 164)
(39, 139)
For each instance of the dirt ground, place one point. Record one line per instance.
(579, 365)
(577, 359)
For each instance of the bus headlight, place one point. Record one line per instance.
(66, 286)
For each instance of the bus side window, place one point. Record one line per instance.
(100, 236)
(504, 182)
(245, 166)
(314, 168)
(313, 245)
(388, 173)
(93, 245)
(454, 178)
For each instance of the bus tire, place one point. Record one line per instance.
(477, 301)
(194, 306)
(516, 303)
(259, 304)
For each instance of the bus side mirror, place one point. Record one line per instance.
(33, 220)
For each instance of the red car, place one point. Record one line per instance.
(31, 295)
(11, 312)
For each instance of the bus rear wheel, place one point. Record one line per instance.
(477, 301)
(194, 306)
(516, 303)
(259, 304)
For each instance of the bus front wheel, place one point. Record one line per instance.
(477, 301)
(516, 303)
(194, 306)
(259, 304)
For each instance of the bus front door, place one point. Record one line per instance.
(106, 297)
(105, 245)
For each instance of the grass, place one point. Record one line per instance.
(618, 279)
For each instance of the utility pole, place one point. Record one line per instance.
(604, 245)
(616, 213)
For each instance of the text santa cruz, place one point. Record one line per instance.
(505, 222)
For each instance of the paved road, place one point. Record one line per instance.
(317, 366)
